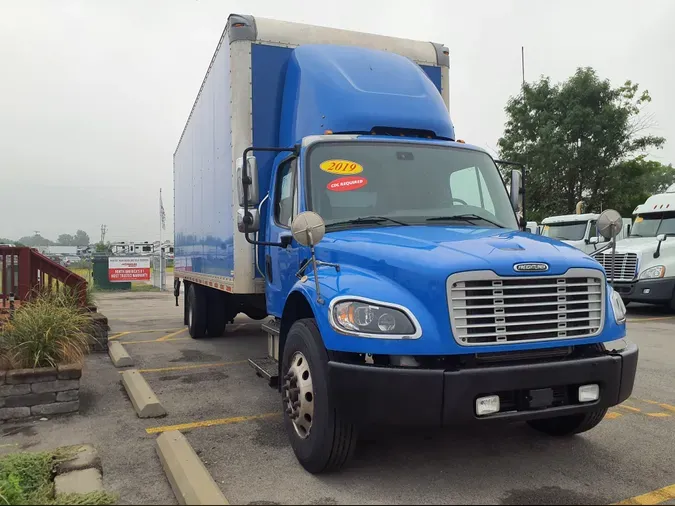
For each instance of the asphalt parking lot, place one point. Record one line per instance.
(232, 420)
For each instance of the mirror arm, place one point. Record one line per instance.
(246, 181)
(657, 253)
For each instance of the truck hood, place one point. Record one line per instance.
(432, 250)
(641, 245)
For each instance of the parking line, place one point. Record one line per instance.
(118, 335)
(209, 423)
(658, 415)
(662, 405)
(191, 366)
(655, 497)
(173, 334)
(156, 341)
(611, 415)
(630, 408)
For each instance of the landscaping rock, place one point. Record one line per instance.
(69, 372)
(18, 376)
(55, 386)
(55, 408)
(78, 482)
(7, 390)
(30, 399)
(86, 458)
(68, 395)
(11, 413)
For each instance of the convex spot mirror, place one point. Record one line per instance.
(308, 228)
(661, 237)
(252, 173)
(609, 224)
(516, 190)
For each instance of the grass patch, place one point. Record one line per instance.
(143, 287)
(27, 478)
(49, 330)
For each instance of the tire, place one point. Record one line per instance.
(216, 318)
(568, 425)
(330, 441)
(197, 311)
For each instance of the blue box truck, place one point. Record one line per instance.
(319, 187)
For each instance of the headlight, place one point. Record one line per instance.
(618, 306)
(371, 319)
(658, 271)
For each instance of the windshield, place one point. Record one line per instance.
(653, 224)
(405, 183)
(566, 231)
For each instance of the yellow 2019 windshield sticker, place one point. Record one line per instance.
(639, 219)
(341, 167)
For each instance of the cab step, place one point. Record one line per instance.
(266, 368)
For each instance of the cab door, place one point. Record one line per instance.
(281, 264)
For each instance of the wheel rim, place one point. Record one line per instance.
(299, 395)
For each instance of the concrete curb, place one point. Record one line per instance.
(190, 481)
(142, 397)
(118, 355)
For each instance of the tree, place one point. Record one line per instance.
(81, 238)
(103, 247)
(582, 140)
(35, 240)
(65, 240)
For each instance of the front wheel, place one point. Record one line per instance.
(321, 439)
(568, 425)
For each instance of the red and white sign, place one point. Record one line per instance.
(125, 269)
(345, 184)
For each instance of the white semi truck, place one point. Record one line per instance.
(643, 265)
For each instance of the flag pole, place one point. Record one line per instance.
(160, 240)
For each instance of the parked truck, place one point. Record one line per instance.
(319, 186)
(643, 265)
(580, 230)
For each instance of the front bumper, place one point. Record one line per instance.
(369, 394)
(647, 290)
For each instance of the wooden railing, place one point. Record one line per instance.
(26, 272)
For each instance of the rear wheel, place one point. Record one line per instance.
(321, 439)
(216, 315)
(197, 311)
(568, 425)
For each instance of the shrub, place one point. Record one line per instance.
(49, 330)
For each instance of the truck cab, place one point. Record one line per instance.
(643, 266)
(579, 230)
(385, 256)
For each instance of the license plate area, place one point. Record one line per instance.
(539, 398)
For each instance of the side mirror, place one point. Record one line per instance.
(609, 224)
(308, 228)
(254, 226)
(252, 173)
(594, 240)
(516, 190)
(660, 238)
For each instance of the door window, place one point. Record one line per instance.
(286, 194)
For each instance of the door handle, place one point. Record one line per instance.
(268, 267)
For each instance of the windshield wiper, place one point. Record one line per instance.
(367, 220)
(469, 218)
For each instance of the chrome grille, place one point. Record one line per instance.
(625, 265)
(488, 309)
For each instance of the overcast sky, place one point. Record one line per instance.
(94, 94)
